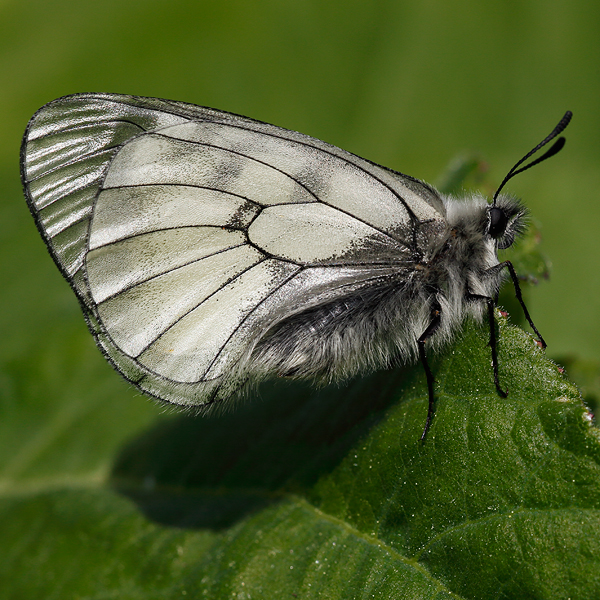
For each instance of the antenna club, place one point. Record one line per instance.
(555, 148)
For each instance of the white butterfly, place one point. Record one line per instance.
(209, 250)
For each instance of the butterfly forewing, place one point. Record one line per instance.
(188, 233)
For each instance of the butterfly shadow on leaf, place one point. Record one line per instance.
(211, 471)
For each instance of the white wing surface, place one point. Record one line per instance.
(187, 233)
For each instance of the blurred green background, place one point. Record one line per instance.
(410, 85)
(406, 84)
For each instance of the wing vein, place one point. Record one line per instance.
(187, 185)
(196, 306)
(343, 158)
(346, 212)
(174, 228)
(172, 270)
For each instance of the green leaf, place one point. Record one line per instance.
(330, 494)
(586, 374)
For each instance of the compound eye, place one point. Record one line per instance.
(498, 222)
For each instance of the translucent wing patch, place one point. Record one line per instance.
(187, 233)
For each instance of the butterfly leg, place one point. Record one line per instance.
(436, 317)
(515, 280)
(493, 343)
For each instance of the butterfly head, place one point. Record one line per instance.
(506, 220)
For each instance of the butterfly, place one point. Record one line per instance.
(210, 251)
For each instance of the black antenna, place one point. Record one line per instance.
(554, 149)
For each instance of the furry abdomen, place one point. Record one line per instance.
(365, 331)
